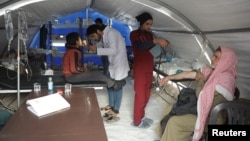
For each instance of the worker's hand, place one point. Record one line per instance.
(163, 81)
(84, 43)
(92, 48)
(162, 42)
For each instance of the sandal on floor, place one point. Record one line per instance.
(112, 119)
(106, 108)
(109, 114)
(106, 116)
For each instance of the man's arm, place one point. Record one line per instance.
(92, 48)
(141, 43)
(179, 76)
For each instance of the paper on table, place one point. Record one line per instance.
(156, 50)
(47, 104)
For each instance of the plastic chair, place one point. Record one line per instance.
(238, 112)
(231, 108)
(236, 93)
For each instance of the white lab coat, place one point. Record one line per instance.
(113, 45)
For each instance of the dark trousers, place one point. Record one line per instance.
(105, 64)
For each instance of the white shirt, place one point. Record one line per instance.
(115, 48)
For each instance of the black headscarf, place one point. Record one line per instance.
(142, 18)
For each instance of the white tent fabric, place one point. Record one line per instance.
(193, 27)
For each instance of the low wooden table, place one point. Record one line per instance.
(82, 122)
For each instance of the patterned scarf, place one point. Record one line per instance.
(224, 74)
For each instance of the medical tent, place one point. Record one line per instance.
(194, 28)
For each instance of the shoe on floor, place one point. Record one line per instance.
(106, 108)
(112, 112)
(147, 120)
(143, 125)
(109, 114)
(112, 119)
(106, 116)
(119, 84)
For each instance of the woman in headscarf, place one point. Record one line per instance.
(215, 85)
(142, 41)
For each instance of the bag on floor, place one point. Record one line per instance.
(186, 104)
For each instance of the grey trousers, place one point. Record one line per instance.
(90, 76)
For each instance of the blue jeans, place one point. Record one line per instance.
(115, 98)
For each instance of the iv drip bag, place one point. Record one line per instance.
(8, 25)
(23, 27)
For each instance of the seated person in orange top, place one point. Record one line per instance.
(72, 68)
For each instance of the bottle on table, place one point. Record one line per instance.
(50, 84)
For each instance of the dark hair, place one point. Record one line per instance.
(98, 20)
(142, 18)
(93, 29)
(71, 38)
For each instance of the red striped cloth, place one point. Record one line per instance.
(223, 74)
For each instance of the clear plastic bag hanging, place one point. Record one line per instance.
(8, 25)
(23, 26)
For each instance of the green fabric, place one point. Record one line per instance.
(4, 117)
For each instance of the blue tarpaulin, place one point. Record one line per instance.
(64, 25)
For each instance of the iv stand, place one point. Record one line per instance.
(18, 62)
(22, 35)
(9, 31)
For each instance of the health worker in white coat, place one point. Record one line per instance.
(111, 43)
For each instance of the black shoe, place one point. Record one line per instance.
(119, 84)
(112, 119)
(106, 116)
(110, 114)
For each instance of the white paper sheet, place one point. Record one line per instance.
(47, 104)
